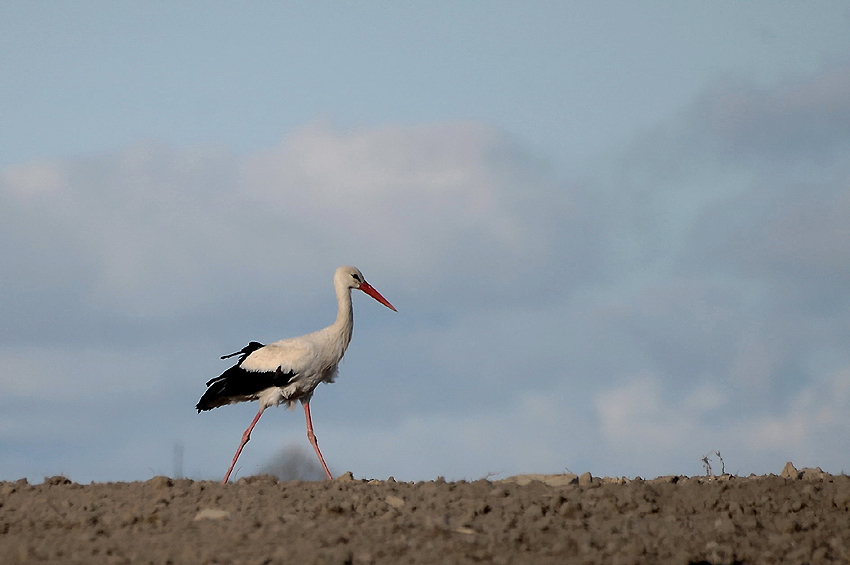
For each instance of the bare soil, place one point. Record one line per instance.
(797, 517)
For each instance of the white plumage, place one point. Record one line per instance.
(289, 370)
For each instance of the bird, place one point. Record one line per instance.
(289, 370)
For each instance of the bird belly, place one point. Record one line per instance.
(299, 389)
(276, 395)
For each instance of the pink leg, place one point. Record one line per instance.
(312, 437)
(245, 437)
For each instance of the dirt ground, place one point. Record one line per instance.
(796, 517)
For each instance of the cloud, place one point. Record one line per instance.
(645, 427)
(806, 117)
(732, 291)
(29, 180)
(154, 230)
(659, 434)
(435, 204)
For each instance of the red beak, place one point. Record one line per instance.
(368, 289)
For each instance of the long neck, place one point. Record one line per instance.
(344, 324)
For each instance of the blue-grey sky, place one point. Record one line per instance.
(616, 233)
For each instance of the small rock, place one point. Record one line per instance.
(570, 509)
(160, 482)
(522, 480)
(585, 479)
(789, 471)
(57, 480)
(264, 479)
(719, 554)
(724, 527)
(550, 480)
(561, 480)
(810, 474)
(346, 477)
(841, 499)
(211, 514)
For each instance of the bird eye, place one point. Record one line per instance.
(355, 276)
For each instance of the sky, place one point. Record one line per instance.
(615, 232)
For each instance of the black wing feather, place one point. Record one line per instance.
(245, 351)
(237, 384)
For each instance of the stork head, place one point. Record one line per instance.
(351, 277)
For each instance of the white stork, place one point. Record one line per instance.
(290, 370)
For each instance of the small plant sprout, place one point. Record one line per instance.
(707, 464)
